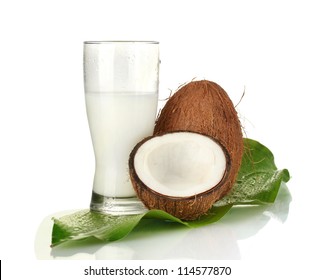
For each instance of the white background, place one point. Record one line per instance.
(46, 157)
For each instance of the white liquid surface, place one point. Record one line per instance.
(117, 122)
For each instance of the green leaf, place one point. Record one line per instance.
(258, 180)
(257, 183)
(86, 223)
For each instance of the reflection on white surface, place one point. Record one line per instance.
(215, 242)
(158, 240)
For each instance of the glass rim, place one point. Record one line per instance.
(120, 42)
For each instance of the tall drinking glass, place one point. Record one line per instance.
(121, 81)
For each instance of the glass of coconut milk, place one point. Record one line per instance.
(121, 81)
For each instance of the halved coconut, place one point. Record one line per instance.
(172, 171)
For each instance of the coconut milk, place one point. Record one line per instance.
(117, 122)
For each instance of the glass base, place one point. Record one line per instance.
(116, 206)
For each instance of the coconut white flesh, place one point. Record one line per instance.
(180, 164)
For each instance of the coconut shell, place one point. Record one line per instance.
(202, 107)
(185, 208)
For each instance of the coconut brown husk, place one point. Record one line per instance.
(202, 107)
